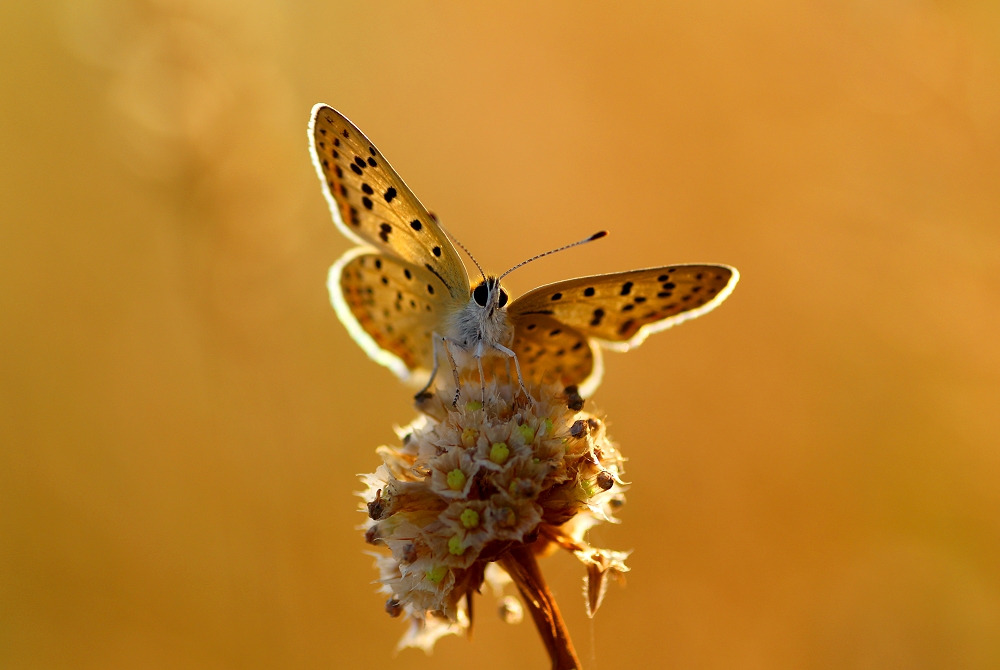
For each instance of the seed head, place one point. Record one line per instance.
(470, 482)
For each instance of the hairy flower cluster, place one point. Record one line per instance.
(471, 481)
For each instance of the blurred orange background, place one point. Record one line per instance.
(815, 466)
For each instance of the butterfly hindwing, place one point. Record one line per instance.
(622, 308)
(371, 204)
(391, 308)
(553, 352)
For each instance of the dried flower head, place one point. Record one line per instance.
(474, 491)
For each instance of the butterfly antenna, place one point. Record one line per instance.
(595, 236)
(462, 247)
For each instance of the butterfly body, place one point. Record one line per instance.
(406, 299)
(483, 327)
(483, 322)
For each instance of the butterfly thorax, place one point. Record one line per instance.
(483, 321)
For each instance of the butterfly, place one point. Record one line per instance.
(405, 297)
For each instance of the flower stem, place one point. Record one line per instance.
(520, 563)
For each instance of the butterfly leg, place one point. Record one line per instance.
(434, 369)
(517, 366)
(479, 361)
(454, 368)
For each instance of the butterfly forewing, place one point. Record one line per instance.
(391, 308)
(371, 204)
(621, 309)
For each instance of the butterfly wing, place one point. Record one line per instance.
(550, 351)
(371, 204)
(620, 310)
(390, 308)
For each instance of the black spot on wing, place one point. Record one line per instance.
(367, 202)
(368, 189)
(356, 169)
(626, 288)
(598, 316)
(589, 291)
(438, 275)
(556, 296)
(416, 225)
(390, 193)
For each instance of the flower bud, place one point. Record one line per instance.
(499, 453)
(456, 480)
(605, 480)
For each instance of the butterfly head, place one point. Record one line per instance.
(489, 295)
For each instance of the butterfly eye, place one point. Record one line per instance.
(503, 297)
(481, 294)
